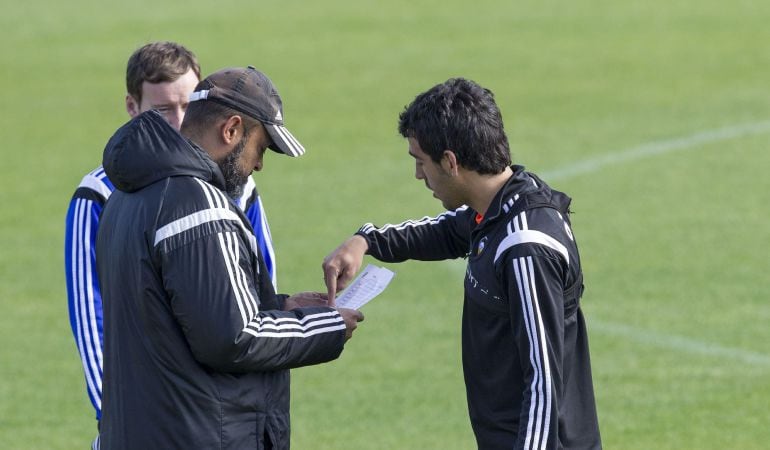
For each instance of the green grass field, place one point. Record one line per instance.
(654, 116)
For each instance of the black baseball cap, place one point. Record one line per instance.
(251, 92)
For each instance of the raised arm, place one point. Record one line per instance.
(446, 236)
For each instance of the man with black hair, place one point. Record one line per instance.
(525, 347)
(197, 344)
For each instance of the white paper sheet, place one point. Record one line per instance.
(367, 285)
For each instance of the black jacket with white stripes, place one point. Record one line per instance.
(525, 347)
(196, 348)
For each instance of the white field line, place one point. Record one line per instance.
(673, 342)
(647, 150)
(655, 148)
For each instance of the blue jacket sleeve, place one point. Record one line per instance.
(83, 293)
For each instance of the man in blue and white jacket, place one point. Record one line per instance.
(160, 76)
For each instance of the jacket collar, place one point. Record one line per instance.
(519, 183)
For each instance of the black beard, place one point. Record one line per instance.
(235, 179)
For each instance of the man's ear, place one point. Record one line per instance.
(449, 162)
(231, 129)
(132, 106)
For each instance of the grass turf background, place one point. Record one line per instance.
(674, 245)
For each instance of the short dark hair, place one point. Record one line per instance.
(158, 62)
(200, 115)
(461, 116)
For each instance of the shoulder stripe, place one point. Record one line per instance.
(212, 194)
(218, 199)
(219, 211)
(98, 172)
(509, 204)
(531, 237)
(97, 184)
(193, 220)
(523, 219)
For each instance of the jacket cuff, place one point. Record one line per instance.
(367, 238)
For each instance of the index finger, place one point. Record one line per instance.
(330, 278)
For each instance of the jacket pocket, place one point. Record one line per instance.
(277, 432)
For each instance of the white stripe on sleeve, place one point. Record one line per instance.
(287, 327)
(88, 341)
(427, 220)
(231, 263)
(538, 425)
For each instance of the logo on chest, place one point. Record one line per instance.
(482, 245)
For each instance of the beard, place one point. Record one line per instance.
(235, 178)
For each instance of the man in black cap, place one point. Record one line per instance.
(197, 343)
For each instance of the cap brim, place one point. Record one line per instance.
(284, 141)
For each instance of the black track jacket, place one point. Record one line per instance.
(525, 347)
(196, 350)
